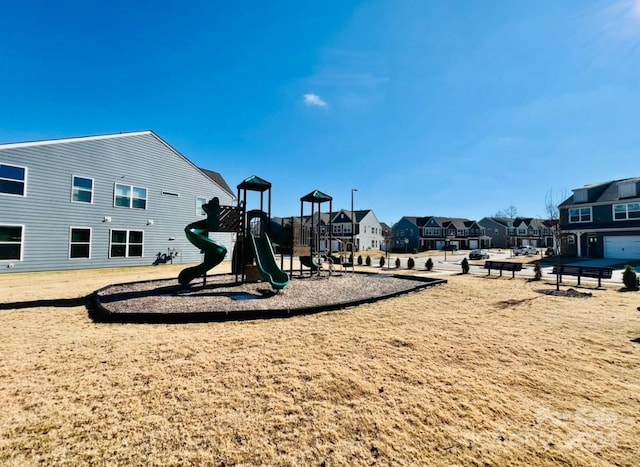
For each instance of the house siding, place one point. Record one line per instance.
(367, 239)
(495, 230)
(140, 160)
(589, 238)
(405, 229)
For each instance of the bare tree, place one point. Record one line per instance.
(551, 203)
(510, 213)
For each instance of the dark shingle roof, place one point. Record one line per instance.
(218, 179)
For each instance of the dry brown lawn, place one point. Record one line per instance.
(481, 371)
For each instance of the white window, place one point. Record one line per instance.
(132, 197)
(126, 243)
(200, 201)
(580, 215)
(79, 242)
(626, 211)
(11, 237)
(82, 189)
(13, 180)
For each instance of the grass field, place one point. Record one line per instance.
(481, 371)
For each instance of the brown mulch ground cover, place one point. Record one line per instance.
(222, 294)
(476, 372)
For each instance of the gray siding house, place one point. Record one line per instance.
(520, 231)
(100, 201)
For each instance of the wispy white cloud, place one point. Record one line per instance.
(621, 19)
(314, 100)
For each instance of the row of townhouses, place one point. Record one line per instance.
(413, 233)
(124, 200)
(600, 220)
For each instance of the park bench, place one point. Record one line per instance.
(503, 266)
(583, 271)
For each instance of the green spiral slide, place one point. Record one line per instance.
(214, 253)
(266, 262)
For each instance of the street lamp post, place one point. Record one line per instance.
(406, 244)
(352, 226)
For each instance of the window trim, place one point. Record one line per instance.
(131, 197)
(26, 174)
(127, 243)
(22, 241)
(580, 221)
(73, 187)
(199, 207)
(626, 212)
(71, 228)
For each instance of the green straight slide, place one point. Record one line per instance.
(267, 264)
(214, 252)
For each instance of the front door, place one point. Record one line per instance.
(593, 247)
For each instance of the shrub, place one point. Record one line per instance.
(465, 266)
(410, 263)
(359, 260)
(368, 260)
(630, 278)
(429, 264)
(537, 271)
(398, 263)
(381, 261)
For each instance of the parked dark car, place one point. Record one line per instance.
(479, 254)
(451, 247)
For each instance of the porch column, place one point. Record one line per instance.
(579, 242)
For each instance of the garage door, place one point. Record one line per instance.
(622, 247)
(473, 244)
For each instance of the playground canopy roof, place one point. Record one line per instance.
(316, 196)
(254, 183)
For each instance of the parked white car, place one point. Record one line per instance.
(525, 250)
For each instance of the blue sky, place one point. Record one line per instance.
(450, 108)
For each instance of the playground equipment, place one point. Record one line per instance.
(313, 236)
(219, 219)
(253, 255)
(263, 250)
(254, 243)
